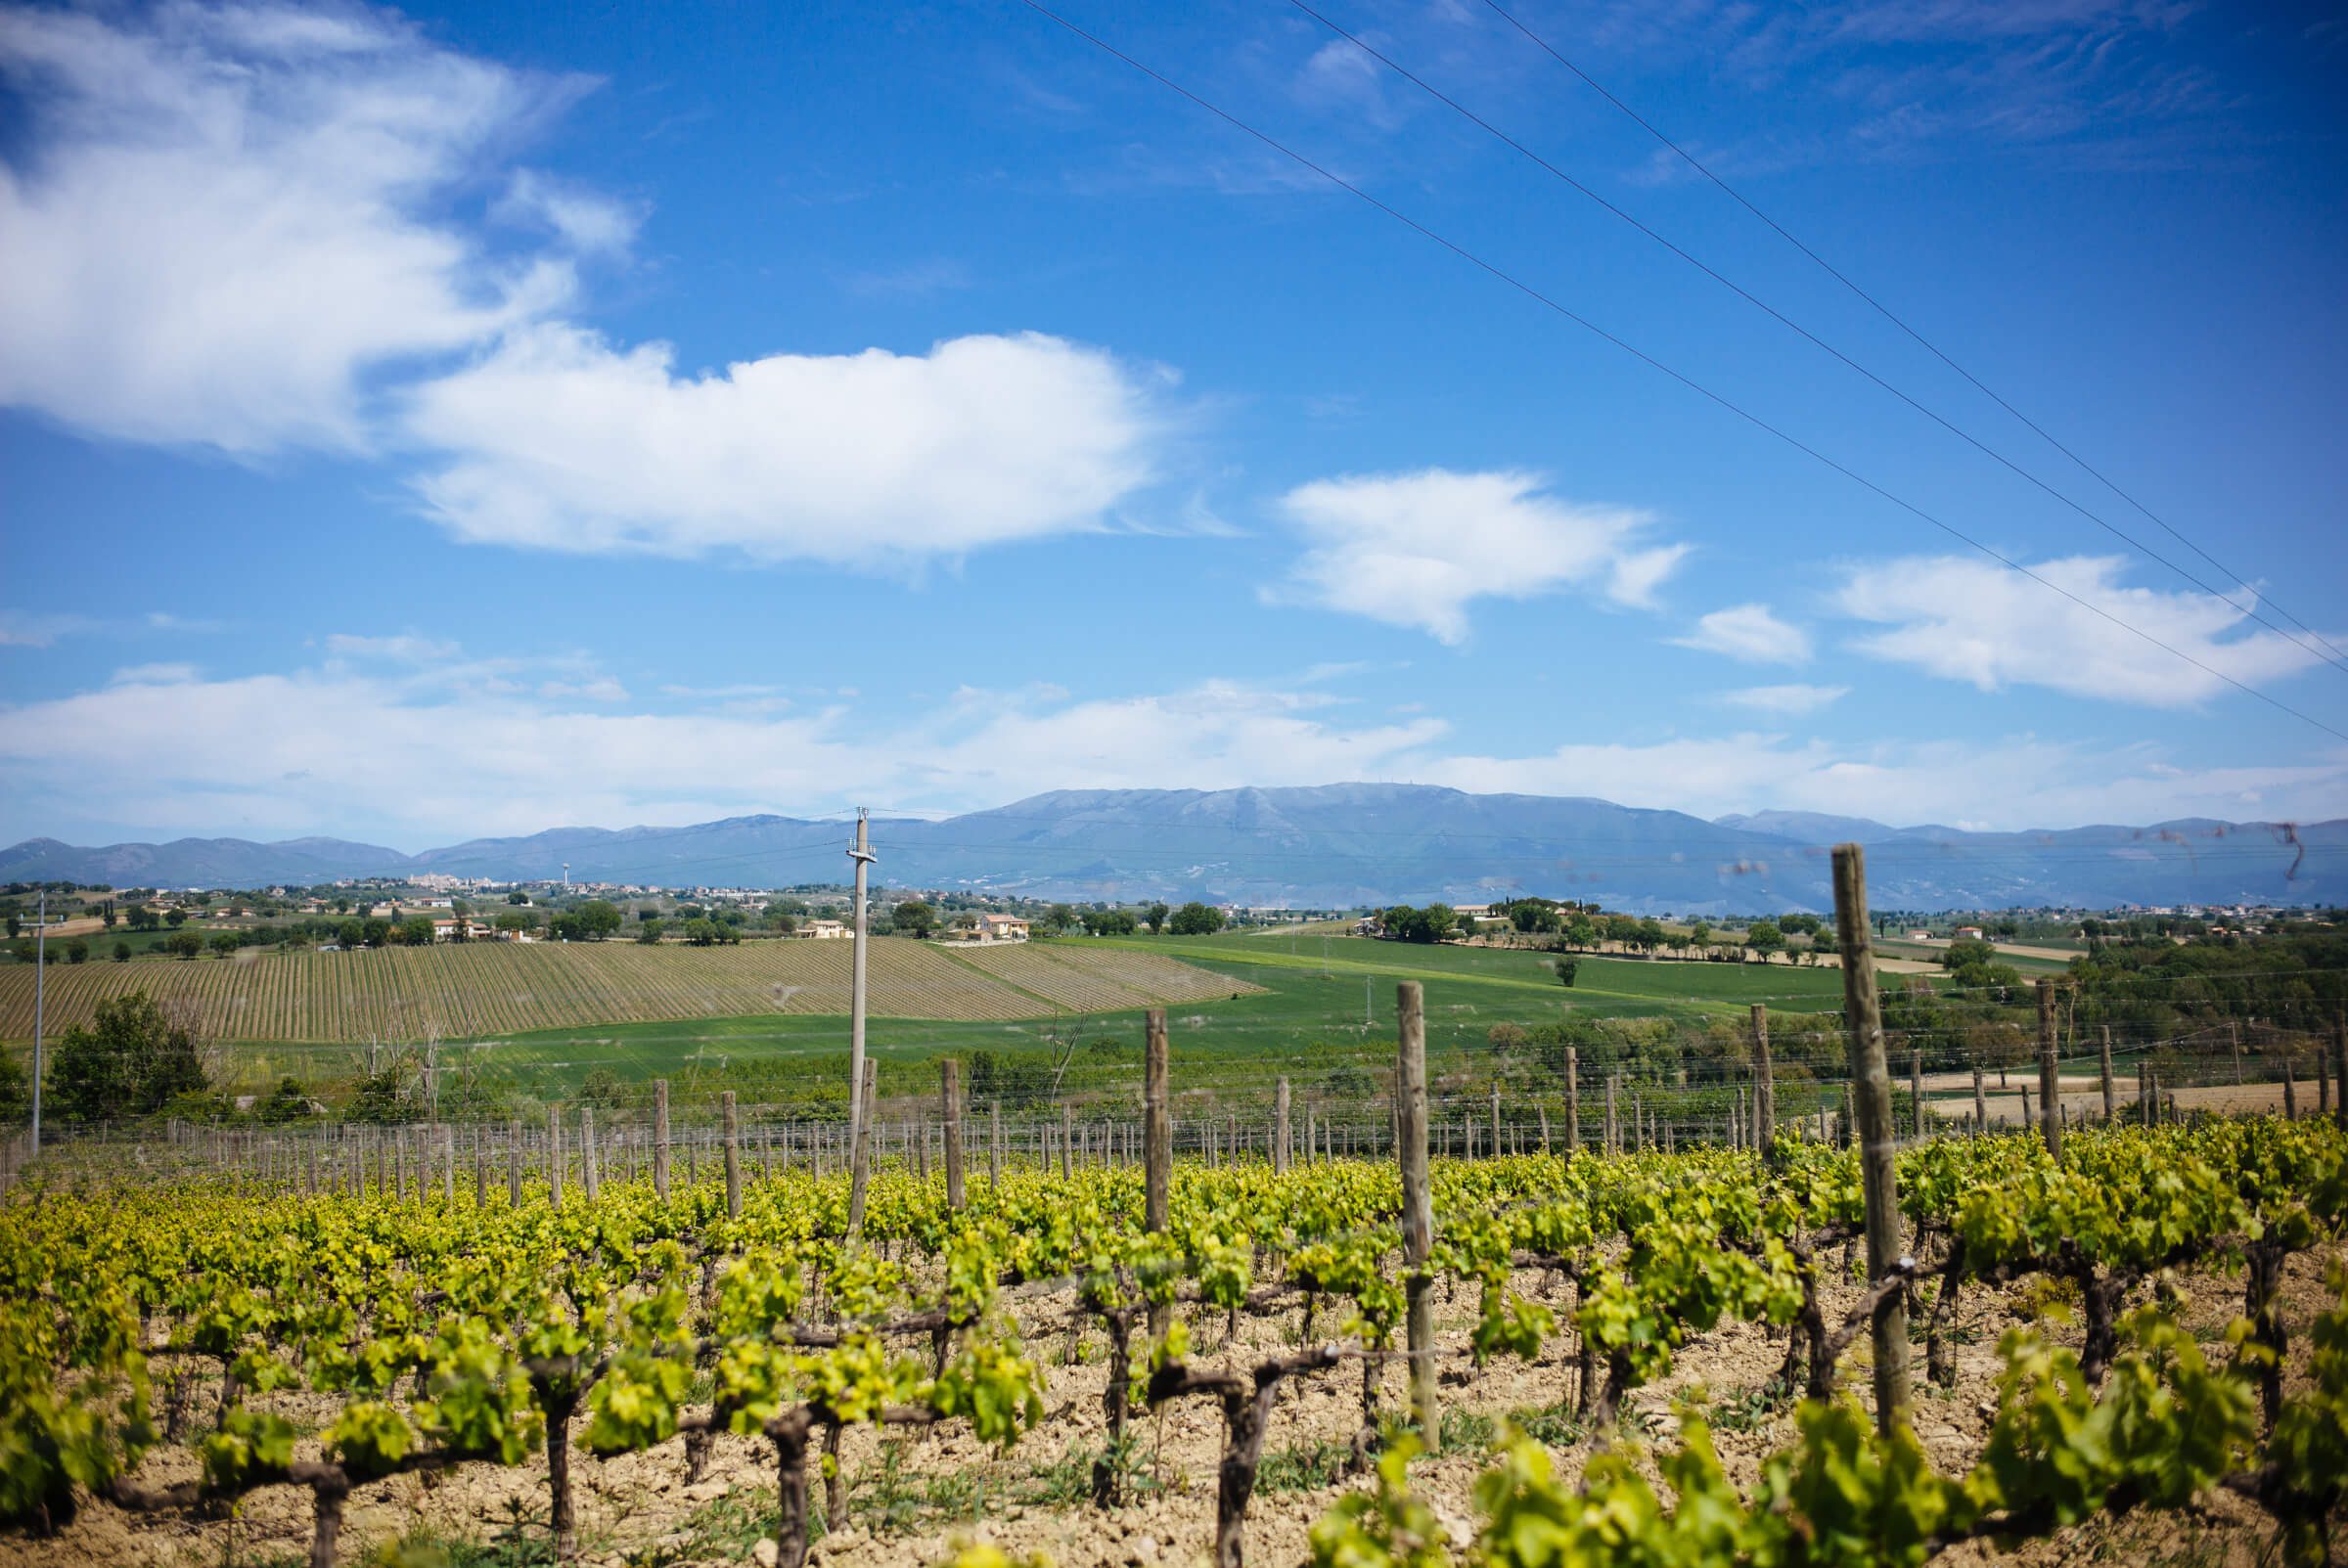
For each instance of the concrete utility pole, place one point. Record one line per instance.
(40, 977)
(863, 856)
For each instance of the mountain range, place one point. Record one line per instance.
(1328, 846)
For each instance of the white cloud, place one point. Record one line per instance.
(339, 747)
(1976, 621)
(405, 648)
(1417, 549)
(2029, 783)
(1751, 633)
(561, 441)
(221, 220)
(335, 748)
(583, 219)
(1788, 700)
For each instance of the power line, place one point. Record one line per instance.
(1756, 421)
(1891, 316)
(1742, 292)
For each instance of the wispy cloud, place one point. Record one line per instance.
(1785, 701)
(1751, 633)
(1417, 549)
(1972, 620)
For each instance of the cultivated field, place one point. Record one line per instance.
(467, 990)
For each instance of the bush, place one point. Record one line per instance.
(129, 1060)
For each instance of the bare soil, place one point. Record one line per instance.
(915, 1499)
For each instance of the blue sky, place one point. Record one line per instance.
(449, 421)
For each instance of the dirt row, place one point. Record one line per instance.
(915, 1499)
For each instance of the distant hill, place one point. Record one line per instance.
(1334, 846)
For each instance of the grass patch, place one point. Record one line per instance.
(1303, 1468)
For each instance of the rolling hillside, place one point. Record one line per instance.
(466, 991)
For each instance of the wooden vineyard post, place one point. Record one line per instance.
(1916, 1092)
(590, 1176)
(1613, 1128)
(660, 1138)
(513, 1164)
(1496, 1150)
(481, 1167)
(1765, 1088)
(860, 1149)
(554, 1153)
(1417, 1207)
(1280, 1130)
(2049, 1089)
(1574, 1100)
(2029, 1116)
(2233, 1040)
(994, 1145)
(728, 1118)
(1067, 1126)
(2323, 1083)
(2290, 1093)
(949, 1072)
(2339, 1070)
(1158, 1153)
(1980, 1102)
(2143, 1093)
(1870, 1078)
(2111, 1104)
(448, 1165)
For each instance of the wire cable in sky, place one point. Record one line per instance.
(2328, 655)
(1888, 314)
(1643, 356)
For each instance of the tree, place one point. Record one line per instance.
(1764, 938)
(175, 919)
(915, 918)
(225, 942)
(1109, 922)
(183, 944)
(1155, 917)
(1581, 932)
(107, 914)
(519, 921)
(143, 918)
(16, 924)
(1058, 919)
(1196, 919)
(121, 950)
(1529, 914)
(376, 931)
(598, 918)
(288, 1102)
(1649, 935)
(517, 897)
(78, 951)
(648, 932)
(703, 932)
(415, 931)
(1434, 923)
(1567, 970)
(129, 1060)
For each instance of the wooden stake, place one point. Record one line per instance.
(2104, 1065)
(1417, 1208)
(1870, 1078)
(660, 1138)
(554, 1154)
(1765, 1089)
(949, 1090)
(1157, 1140)
(732, 1133)
(2050, 1087)
(589, 1173)
(1280, 1130)
(1574, 1100)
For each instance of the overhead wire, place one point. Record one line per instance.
(2327, 655)
(1721, 400)
(1884, 310)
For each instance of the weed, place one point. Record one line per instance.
(1305, 1468)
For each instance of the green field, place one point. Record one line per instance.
(1310, 1020)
